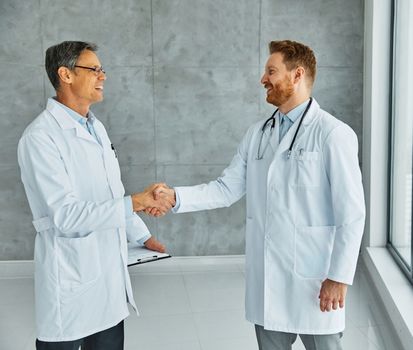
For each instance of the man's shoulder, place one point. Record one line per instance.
(334, 130)
(327, 122)
(253, 130)
(43, 124)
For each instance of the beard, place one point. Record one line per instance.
(281, 92)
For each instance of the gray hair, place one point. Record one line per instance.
(64, 54)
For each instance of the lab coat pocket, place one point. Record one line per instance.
(313, 247)
(78, 261)
(307, 169)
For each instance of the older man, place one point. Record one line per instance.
(71, 175)
(305, 208)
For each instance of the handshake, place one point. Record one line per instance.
(155, 200)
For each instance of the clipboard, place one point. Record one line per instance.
(138, 254)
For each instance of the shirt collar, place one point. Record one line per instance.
(76, 116)
(295, 113)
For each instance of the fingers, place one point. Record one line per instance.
(326, 304)
(151, 187)
(153, 212)
(168, 197)
(155, 245)
(163, 206)
(165, 194)
(164, 203)
(157, 191)
(329, 305)
(323, 305)
(332, 295)
(160, 191)
(156, 200)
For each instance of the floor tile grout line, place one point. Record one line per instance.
(192, 311)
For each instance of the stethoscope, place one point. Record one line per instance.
(271, 120)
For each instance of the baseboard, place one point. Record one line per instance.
(16, 269)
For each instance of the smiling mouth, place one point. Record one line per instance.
(99, 88)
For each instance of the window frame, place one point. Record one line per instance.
(400, 260)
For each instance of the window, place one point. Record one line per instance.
(400, 232)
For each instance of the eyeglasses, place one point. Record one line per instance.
(97, 70)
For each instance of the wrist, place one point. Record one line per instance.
(137, 202)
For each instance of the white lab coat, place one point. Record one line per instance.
(75, 192)
(305, 219)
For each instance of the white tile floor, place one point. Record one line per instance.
(195, 304)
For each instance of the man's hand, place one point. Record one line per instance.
(153, 244)
(161, 191)
(332, 295)
(147, 201)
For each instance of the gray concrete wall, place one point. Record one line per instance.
(182, 88)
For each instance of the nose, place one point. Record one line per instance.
(102, 76)
(264, 78)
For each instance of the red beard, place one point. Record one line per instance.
(281, 92)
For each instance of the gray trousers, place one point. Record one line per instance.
(273, 340)
(108, 339)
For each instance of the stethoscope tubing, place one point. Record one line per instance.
(272, 120)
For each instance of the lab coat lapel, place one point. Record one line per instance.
(84, 134)
(309, 118)
(67, 122)
(102, 135)
(274, 138)
(288, 138)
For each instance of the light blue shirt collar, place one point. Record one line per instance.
(295, 113)
(76, 116)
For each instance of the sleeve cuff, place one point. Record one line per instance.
(142, 240)
(175, 209)
(128, 206)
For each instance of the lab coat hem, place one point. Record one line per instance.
(83, 334)
(282, 328)
(304, 331)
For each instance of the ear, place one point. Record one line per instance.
(299, 74)
(65, 75)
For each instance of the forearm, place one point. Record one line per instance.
(85, 216)
(205, 197)
(222, 192)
